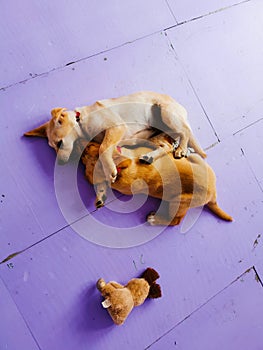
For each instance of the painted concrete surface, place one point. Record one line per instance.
(227, 321)
(54, 245)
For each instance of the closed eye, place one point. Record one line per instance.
(59, 143)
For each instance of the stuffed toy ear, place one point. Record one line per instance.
(150, 275)
(41, 131)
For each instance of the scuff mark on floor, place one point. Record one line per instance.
(255, 244)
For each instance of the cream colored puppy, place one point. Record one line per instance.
(127, 119)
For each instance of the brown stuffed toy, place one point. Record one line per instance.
(120, 300)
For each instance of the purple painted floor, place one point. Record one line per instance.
(207, 56)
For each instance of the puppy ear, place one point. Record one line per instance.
(57, 112)
(124, 164)
(41, 131)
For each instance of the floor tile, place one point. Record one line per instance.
(13, 330)
(250, 140)
(211, 65)
(230, 320)
(194, 265)
(40, 36)
(189, 9)
(222, 58)
(33, 168)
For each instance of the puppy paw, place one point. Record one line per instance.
(111, 175)
(151, 218)
(145, 159)
(100, 203)
(180, 153)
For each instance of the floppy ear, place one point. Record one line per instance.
(57, 112)
(124, 164)
(41, 131)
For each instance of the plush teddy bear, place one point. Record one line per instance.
(120, 300)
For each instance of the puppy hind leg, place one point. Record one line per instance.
(178, 126)
(155, 219)
(112, 136)
(162, 149)
(177, 211)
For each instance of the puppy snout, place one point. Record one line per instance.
(61, 161)
(62, 157)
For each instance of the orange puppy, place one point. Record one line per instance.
(183, 183)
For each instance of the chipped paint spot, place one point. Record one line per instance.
(26, 276)
(255, 244)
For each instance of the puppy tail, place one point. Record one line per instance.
(213, 206)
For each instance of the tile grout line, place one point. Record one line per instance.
(247, 126)
(208, 14)
(258, 279)
(23, 318)
(192, 86)
(251, 169)
(39, 75)
(13, 255)
(205, 303)
(170, 9)
(244, 153)
(79, 60)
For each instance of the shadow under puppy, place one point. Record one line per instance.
(183, 183)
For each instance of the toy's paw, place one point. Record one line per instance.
(145, 159)
(151, 218)
(100, 284)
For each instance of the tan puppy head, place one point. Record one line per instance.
(59, 131)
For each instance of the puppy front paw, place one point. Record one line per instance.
(180, 153)
(110, 173)
(145, 159)
(151, 218)
(113, 176)
(100, 201)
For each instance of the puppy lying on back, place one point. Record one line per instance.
(109, 122)
(183, 183)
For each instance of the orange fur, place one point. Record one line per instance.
(183, 183)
